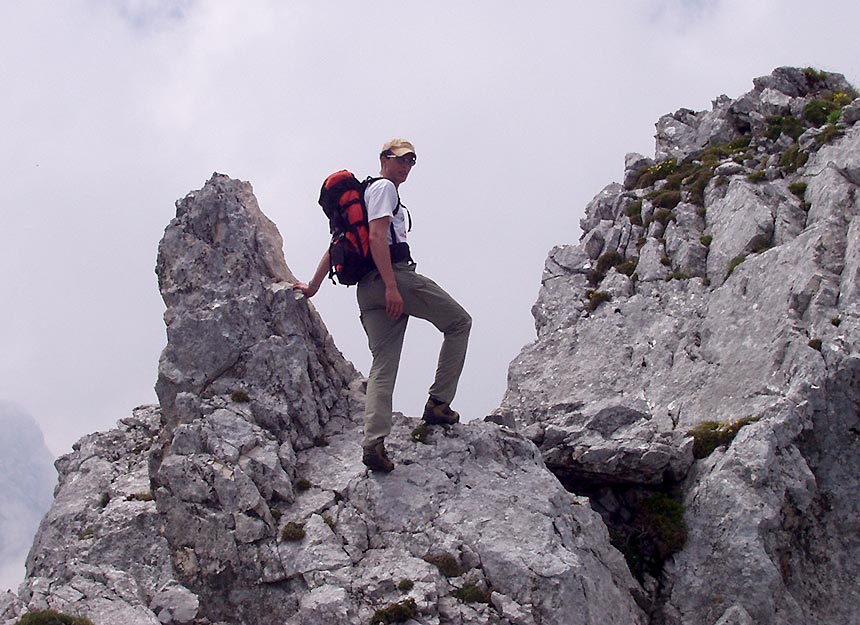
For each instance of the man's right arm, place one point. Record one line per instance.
(382, 258)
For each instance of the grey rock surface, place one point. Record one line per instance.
(757, 328)
(99, 551)
(715, 290)
(242, 499)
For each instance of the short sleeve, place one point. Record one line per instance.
(381, 199)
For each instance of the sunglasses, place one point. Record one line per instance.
(409, 159)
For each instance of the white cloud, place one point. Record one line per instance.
(521, 113)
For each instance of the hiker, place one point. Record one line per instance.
(387, 296)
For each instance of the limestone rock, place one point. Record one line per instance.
(242, 499)
(99, 550)
(234, 328)
(764, 338)
(717, 296)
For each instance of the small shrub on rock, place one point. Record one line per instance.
(836, 321)
(757, 176)
(399, 612)
(607, 261)
(470, 593)
(142, 496)
(798, 189)
(446, 563)
(698, 184)
(793, 159)
(420, 433)
(778, 125)
(658, 171)
(677, 275)
(50, 617)
(240, 396)
(405, 585)
(633, 211)
(293, 532)
(666, 200)
(830, 132)
(815, 344)
(843, 98)
(627, 267)
(816, 111)
(663, 215)
(655, 532)
(596, 298)
(814, 75)
(303, 484)
(709, 435)
(663, 517)
(733, 263)
(706, 240)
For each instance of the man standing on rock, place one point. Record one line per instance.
(387, 297)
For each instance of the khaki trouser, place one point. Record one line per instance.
(424, 299)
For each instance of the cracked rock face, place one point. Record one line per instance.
(725, 275)
(242, 499)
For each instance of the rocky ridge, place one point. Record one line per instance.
(242, 497)
(715, 291)
(712, 291)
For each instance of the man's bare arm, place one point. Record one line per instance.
(309, 290)
(382, 257)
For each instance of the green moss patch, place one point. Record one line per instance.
(446, 563)
(595, 299)
(50, 617)
(733, 264)
(709, 435)
(470, 593)
(399, 612)
(293, 532)
(656, 532)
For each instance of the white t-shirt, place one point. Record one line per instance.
(381, 199)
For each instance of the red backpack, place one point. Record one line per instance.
(342, 200)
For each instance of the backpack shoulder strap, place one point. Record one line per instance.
(371, 179)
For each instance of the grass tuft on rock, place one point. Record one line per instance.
(709, 435)
(293, 532)
(446, 563)
(471, 593)
(733, 264)
(51, 617)
(405, 585)
(421, 433)
(655, 532)
(399, 612)
(595, 299)
(240, 396)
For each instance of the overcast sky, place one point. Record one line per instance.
(520, 112)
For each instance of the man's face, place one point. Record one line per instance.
(397, 168)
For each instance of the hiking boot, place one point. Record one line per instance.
(375, 457)
(439, 413)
